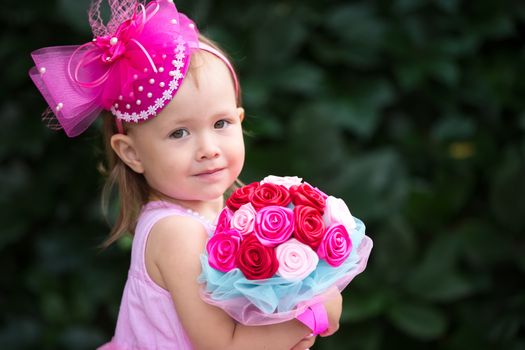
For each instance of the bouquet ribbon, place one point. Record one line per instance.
(315, 318)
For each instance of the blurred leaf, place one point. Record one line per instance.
(75, 13)
(360, 29)
(360, 112)
(506, 327)
(363, 338)
(358, 306)
(125, 242)
(404, 6)
(453, 128)
(418, 72)
(300, 77)
(255, 94)
(437, 277)
(481, 249)
(54, 308)
(445, 286)
(419, 320)
(374, 185)
(12, 231)
(508, 185)
(491, 21)
(396, 249)
(79, 337)
(522, 121)
(20, 333)
(449, 5)
(313, 132)
(431, 205)
(271, 46)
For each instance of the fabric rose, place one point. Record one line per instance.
(223, 221)
(296, 260)
(270, 194)
(222, 250)
(286, 181)
(336, 211)
(308, 225)
(255, 260)
(241, 196)
(336, 245)
(305, 194)
(243, 219)
(274, 225)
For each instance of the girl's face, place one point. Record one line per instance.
(194, 149)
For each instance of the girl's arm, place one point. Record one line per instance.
(173, 261)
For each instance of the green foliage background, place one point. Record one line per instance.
(410, 110)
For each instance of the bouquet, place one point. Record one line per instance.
(280, 246)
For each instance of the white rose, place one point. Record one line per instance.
(336, 211)
(286, 181)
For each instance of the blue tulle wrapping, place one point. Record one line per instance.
(276, 294)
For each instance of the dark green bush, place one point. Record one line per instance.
(410, 110)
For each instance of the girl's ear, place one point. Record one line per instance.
(125, 149)
(240, 112)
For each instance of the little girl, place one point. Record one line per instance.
(175, 147)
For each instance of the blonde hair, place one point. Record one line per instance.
(132, 189)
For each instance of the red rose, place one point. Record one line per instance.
(270, 194)
(304, 194)
(255, 260)
(309, 226)
(241, 196)
(223, 221)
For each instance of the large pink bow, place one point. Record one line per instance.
(78, 82)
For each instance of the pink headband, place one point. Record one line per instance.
(134, 72)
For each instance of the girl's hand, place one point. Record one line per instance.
(306, 343)
(334, 307)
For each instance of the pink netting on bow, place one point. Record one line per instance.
(120, 11)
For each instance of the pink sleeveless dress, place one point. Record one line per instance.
(147, 318)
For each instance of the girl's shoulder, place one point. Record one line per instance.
(178, 228)
(173, 247)
(165, 221)
(175, 240)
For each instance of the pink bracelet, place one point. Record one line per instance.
(315, 318)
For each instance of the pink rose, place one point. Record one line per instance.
(223, 221)
(286, 181)
(222, 250)
(296, 260)
(336, 211)
(243, 219)
(274, 225)
(335, 246)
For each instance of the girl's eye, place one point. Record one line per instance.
(179, 133)
(221, 124)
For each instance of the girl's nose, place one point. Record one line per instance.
(208, 148)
